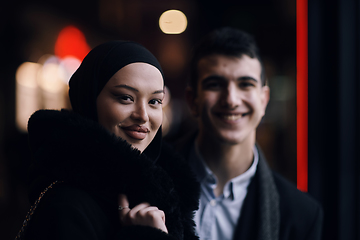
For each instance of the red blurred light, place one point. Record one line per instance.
(71, 42)
(302, 94)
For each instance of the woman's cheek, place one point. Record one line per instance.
(157, 118)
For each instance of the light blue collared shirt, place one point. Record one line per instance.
(217, 216)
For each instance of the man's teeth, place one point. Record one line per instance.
(232, 117)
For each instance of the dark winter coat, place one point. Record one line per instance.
(95, 167)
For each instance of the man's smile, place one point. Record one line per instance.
(231, 116)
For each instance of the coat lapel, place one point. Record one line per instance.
(260, 215)
(269, 222)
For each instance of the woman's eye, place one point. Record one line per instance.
(125, 98)
(155, 101)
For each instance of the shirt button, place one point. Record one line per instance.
(213, 202)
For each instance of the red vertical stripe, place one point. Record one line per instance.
(302, 93)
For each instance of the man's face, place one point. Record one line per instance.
(230, 99)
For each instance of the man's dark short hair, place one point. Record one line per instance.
(225, 41)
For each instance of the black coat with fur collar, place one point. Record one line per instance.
(95, 167)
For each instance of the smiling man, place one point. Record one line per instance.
(241, 198)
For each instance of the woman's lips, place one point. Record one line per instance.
(136, 131)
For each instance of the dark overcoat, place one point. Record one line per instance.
(93, 167)
(274, 209)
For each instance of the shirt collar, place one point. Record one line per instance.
(235, 185)
(203, 172)
(206, 176)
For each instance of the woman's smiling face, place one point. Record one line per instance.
(129, 105)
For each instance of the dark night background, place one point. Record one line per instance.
(29, 30)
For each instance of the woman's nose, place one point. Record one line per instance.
(140, 113)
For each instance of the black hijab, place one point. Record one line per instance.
(95, 71)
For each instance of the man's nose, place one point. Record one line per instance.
(140, 113)
(231, 96)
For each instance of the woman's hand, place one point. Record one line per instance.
(142, 214)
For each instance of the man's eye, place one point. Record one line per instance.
(211, 85)
(246, 84)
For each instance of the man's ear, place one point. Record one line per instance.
(191, 101)
(265, 97)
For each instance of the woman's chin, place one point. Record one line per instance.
(140, 147)
(137, 148)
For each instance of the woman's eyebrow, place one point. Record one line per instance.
(136, 90)
(158, 91)
(127, 87)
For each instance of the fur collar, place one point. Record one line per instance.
(69, 147)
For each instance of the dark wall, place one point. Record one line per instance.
(334, 85)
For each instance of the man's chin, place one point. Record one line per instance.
(228, 140)
(231, 139)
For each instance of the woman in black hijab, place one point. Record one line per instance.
(101, 170)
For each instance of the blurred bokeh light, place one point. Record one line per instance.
(44, 85)
(71, 42)
(173, 22)
(26, 92)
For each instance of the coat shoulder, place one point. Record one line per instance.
(301, 215)
(294, 198)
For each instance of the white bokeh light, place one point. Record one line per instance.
(173, 22)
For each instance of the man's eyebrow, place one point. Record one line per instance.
(212, 78)
(247, 78)
(221, 78)
(135, 90)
